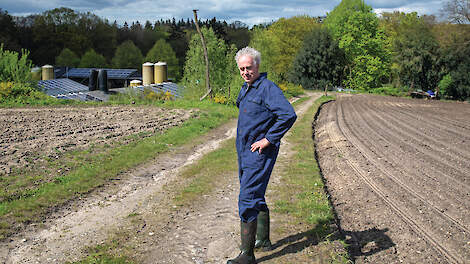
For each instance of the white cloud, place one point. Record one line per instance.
(249, 12)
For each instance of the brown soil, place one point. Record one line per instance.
(398, 173)
(139, 209)
(28, 135)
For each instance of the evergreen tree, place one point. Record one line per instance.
(319, 63)
(9, 32)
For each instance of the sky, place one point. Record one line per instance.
(249, 12)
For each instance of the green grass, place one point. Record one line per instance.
(301, 196)
(204, 174)
(29, 198)
(302, 189)
(99, 255)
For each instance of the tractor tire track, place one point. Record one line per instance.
(431, 194)
(445, 232)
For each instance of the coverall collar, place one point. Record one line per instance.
(256, 83)
(247, 87)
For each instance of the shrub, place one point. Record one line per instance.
(22, 93)
(445, 84)
(14, 68)
(388, 90)
(220, 99)
(151, 95)
(290, 89)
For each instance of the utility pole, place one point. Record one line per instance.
(208, 86)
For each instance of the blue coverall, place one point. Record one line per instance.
(264, 112)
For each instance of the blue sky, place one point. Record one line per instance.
(249, 12)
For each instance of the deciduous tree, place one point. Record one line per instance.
(128, 56)
(364, 42)
(91, 59)
(67, 58)
(220, 62)
(456, 62)
(416, 53)
(162, 51)
(457, 11)
(280, 42)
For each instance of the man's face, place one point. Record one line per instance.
(248, 70)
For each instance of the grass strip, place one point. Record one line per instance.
(98, 169)
(301, 196)
(302, 188)
(207, 172)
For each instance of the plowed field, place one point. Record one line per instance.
(27, 135)
(398, 172)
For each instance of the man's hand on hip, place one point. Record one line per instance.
(260, 145)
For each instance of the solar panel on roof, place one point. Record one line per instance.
(66, 89)
(61, 86)
(173, 88)
(112, 73)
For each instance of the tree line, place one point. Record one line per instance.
(65, 37)
(393, 53)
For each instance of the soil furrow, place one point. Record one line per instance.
(416, 162)
(407, 140)
(453, 113)
(433, 135)
(410, 209)
(448, 202)
(454, 128)
(29, 135)
(378, 234)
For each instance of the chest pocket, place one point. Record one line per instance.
(255, 106)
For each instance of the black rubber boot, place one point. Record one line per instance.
(247, 233)
(262, 233)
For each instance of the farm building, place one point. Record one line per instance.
(92, 84)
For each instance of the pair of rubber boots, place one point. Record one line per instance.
(258, 229)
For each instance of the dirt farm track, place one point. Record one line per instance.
(398, 173)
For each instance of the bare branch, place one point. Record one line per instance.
(457, 11)
(206, 57)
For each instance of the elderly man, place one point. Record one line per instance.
(264, 117)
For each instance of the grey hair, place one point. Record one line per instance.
(248, 51)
